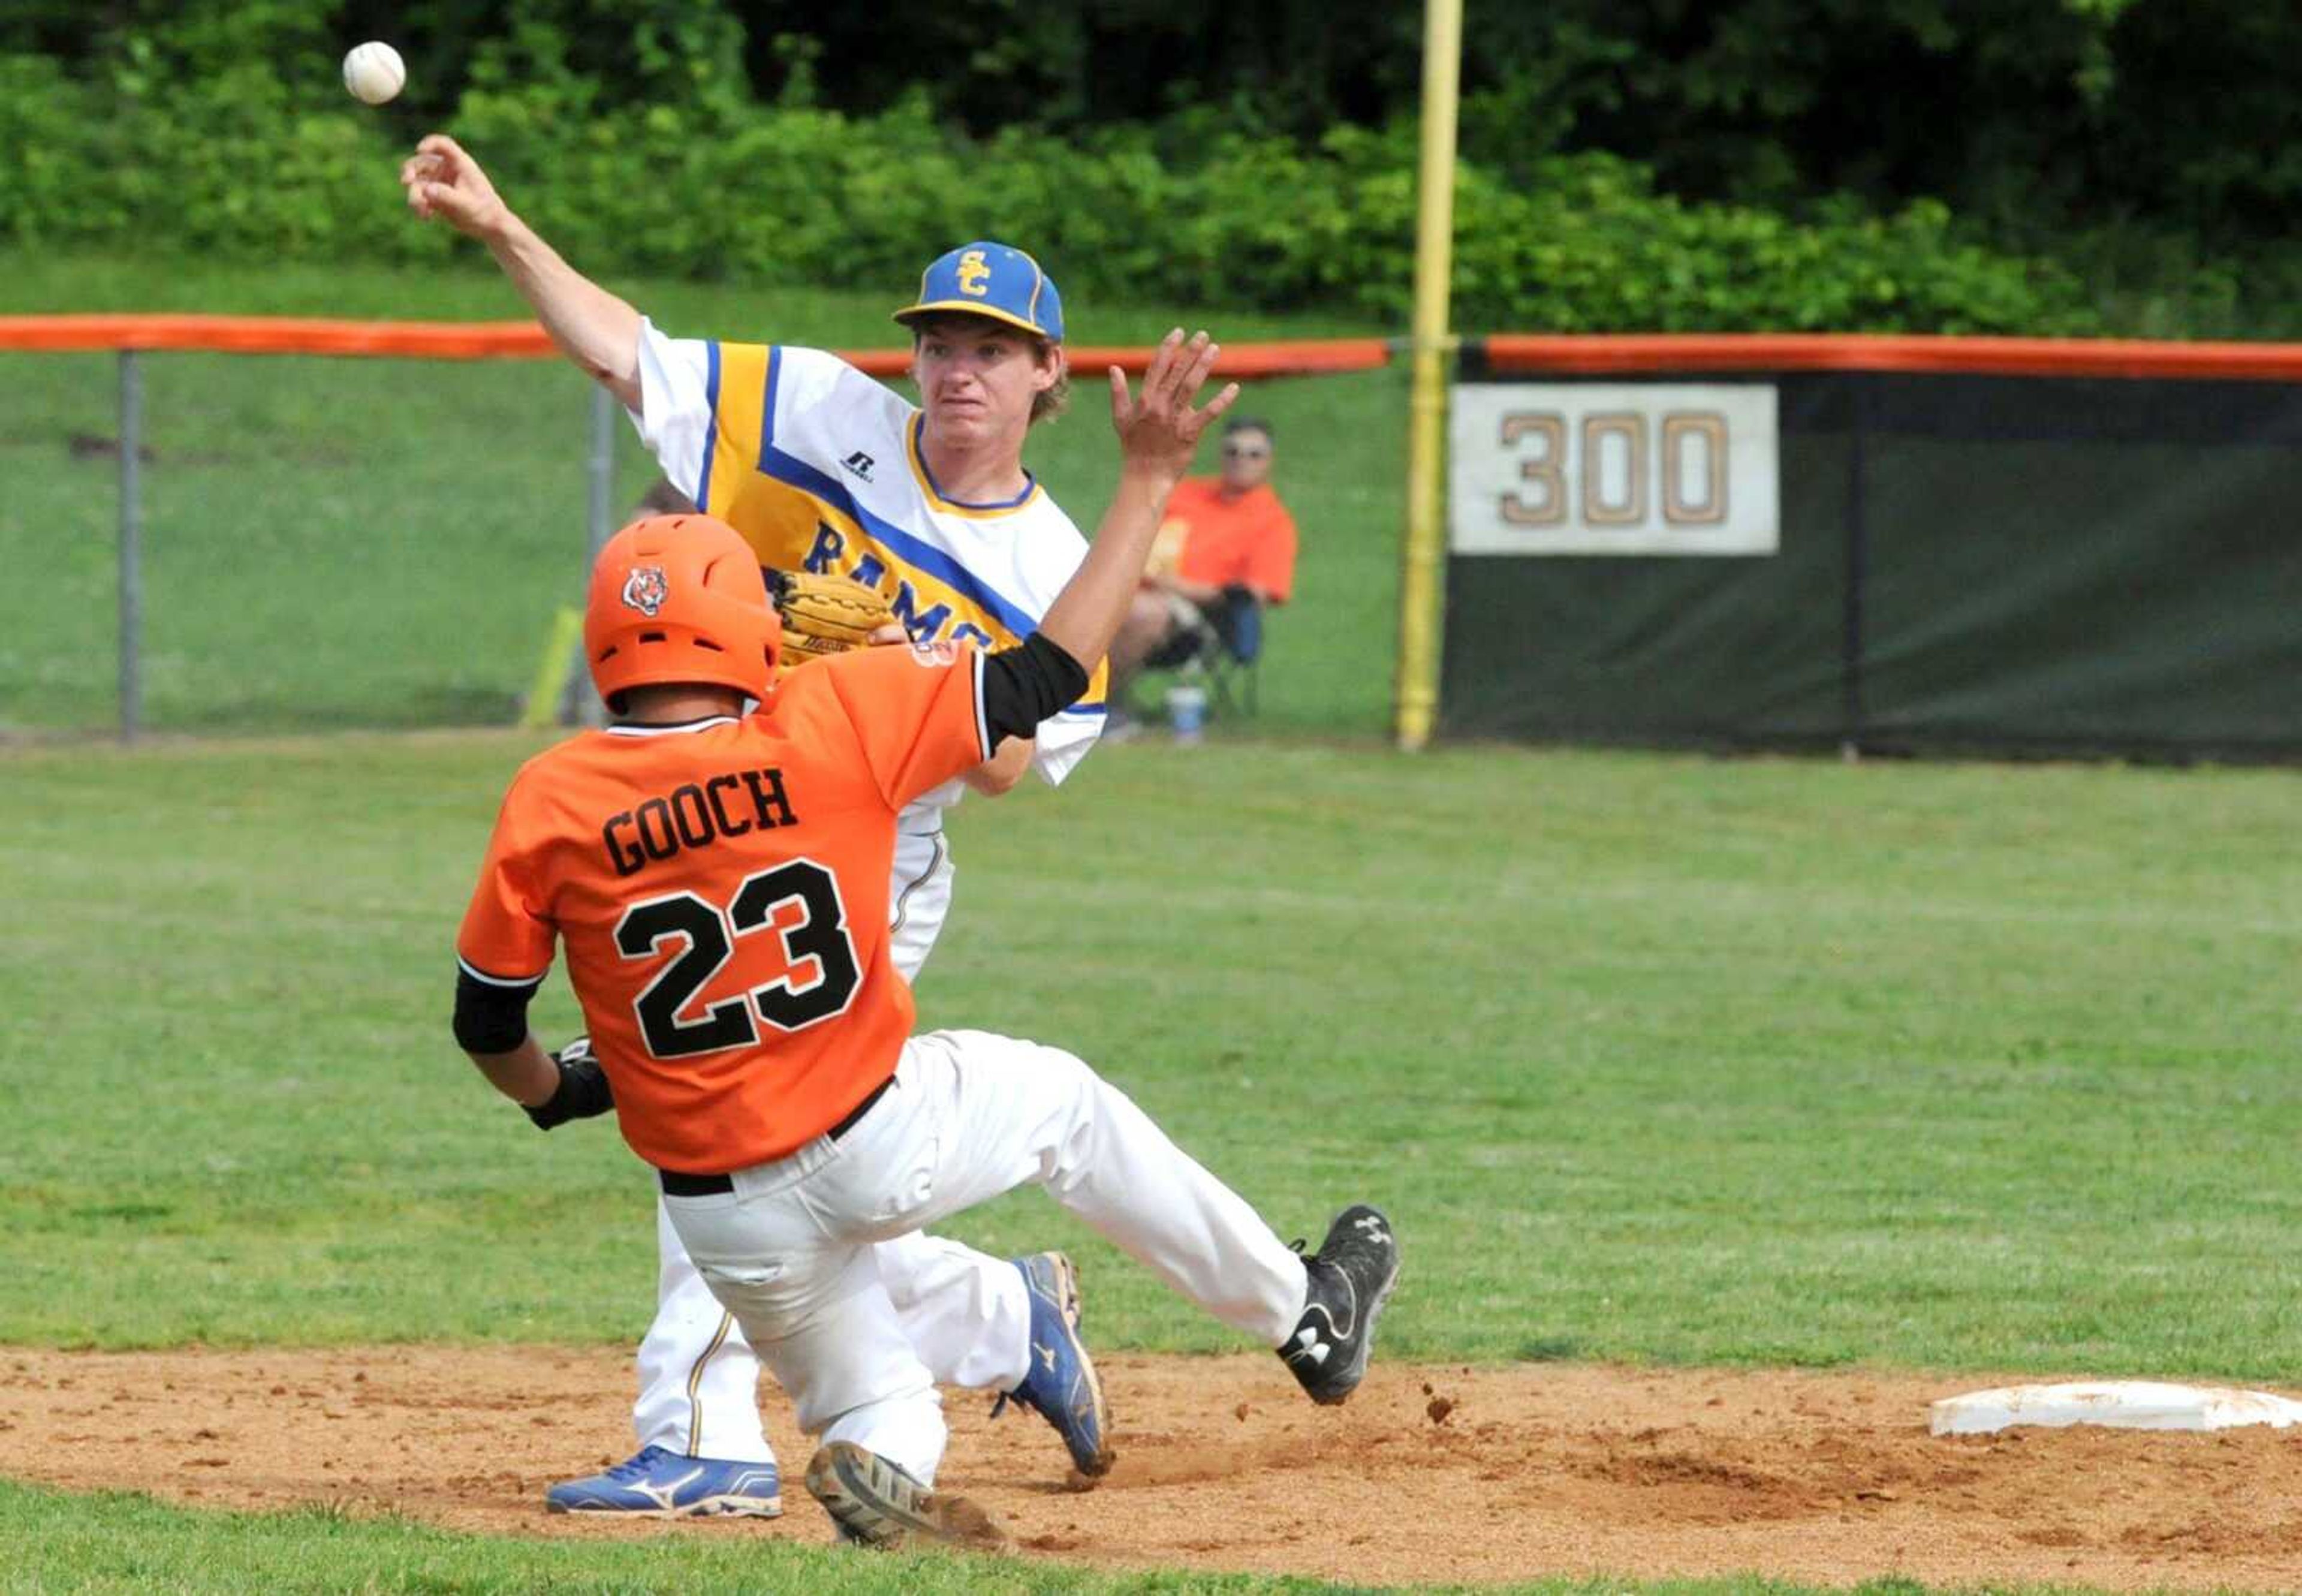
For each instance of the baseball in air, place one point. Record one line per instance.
(373, 72)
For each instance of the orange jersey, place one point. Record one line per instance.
(722, 891)
(1249, 539)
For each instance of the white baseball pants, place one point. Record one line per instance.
(790, 1251)
(966, 1311)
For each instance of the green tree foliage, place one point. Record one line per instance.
(2028, 114)
(2037, 113)
(2032, 116)
(797, 193)
(1663, 163)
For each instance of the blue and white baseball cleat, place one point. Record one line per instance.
(657, 1483)
(1062, 1386)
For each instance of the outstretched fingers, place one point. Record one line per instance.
(1219, 404)
(1185, 372)
(1193, 376)
(1156, 369)
(1177, 369)
(1203, 353)
(1204, 350)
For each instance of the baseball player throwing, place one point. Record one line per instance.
(718, 880)
(830, 474)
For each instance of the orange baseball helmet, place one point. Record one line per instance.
(680, 600)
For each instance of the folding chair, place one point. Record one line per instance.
(1226, 654)
(1233, 655)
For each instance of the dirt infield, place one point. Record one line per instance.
(1430, 1474)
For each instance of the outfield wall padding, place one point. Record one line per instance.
(2037, 564)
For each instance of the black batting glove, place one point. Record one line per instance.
(582, 1092)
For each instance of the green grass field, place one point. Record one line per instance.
(382, 543)
(1657, 1058)
(132, 1544)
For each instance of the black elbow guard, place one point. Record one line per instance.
(491, 1018)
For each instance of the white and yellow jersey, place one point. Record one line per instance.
(819, 466)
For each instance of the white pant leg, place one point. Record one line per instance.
(973, 1114)
(967, 1314)
(699, 1380)
(970, 1115)
(966, 1311)
(918, 900)
(809, 1296)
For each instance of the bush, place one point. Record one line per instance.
(236, 163)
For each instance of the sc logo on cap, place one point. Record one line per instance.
(974, 273)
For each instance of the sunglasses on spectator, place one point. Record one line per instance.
(1244, 451)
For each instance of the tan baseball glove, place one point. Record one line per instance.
(823, 615)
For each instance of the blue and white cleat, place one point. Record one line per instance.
(1062, 1386)
(657, 1483)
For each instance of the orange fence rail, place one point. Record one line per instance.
(1863, 352)
(526, 341)
(1573, 353)
(279, 335)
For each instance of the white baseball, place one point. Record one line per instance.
(373, 72)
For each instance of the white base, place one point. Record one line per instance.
(2120, 1403)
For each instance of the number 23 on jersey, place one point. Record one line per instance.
(702, 937)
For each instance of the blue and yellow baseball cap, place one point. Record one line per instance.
(991, 280)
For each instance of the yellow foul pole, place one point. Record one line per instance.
(1434, 240)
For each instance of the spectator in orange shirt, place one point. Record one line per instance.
(1226, 548)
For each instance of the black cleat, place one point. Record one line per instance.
(874, 1503)
(1350, 1277)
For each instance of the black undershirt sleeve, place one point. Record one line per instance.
(489, 1017)
(1023, 686)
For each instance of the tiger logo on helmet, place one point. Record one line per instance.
(645, 590)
